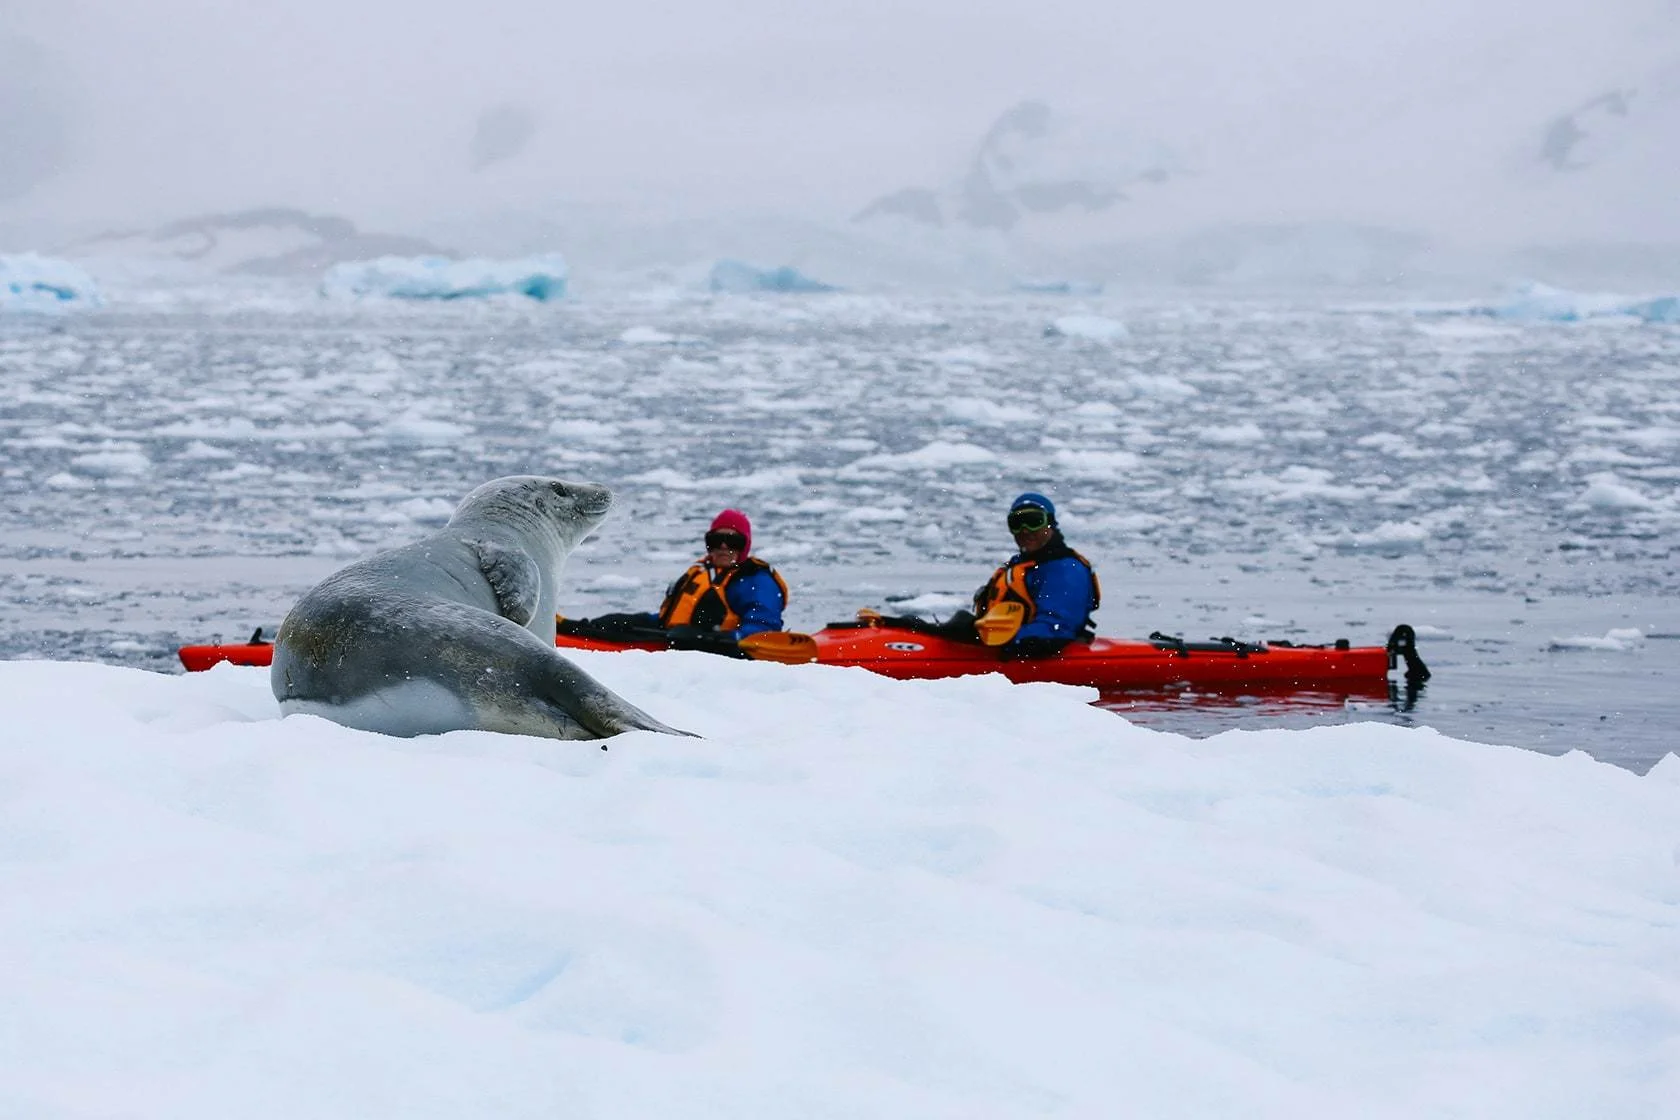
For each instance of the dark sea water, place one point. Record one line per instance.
(1262, 471)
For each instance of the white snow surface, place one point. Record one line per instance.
(850, 897)
(31, 282)
(540, 278)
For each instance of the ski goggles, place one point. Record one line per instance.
(722, 538)
(1028, 519)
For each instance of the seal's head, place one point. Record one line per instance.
(569, 509)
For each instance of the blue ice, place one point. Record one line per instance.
(738, 276)
(31, 282)
(540, 278)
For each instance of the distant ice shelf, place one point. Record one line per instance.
(31, 282)
(739, 277)
(540, 278)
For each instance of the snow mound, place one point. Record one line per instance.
(739, 278)
(31, 282)
(427, 278)
(852, 897)
(1092, 328)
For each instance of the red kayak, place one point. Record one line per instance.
(1158, 663)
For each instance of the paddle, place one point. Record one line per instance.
(784, 646)
(1001, 622)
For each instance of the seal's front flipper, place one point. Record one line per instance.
(598, 708)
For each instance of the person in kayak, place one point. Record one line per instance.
(1058, 586)
(723, 597)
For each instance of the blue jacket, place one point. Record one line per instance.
(1056, 583)
(757, 598)
(1064, 594)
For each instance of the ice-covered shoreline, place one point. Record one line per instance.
(930, 898)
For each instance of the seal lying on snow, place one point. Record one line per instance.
(456, 630)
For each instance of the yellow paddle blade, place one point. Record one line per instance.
(1001, 622)
(784, 646)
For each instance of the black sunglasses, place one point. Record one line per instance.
(735, 542)
(1028, 519)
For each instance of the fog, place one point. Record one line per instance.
(1434, 114)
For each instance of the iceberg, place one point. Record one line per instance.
(31, 282)
(739, 277)
(1535, 302)
(442, 278)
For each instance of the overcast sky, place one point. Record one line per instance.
(151, 109)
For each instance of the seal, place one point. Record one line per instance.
(456, 631)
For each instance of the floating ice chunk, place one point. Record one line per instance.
(1093, 463)
(1092, 328)
(875, 514)
(739, 277)
(613, 582)
(965, 356)
(976, 410)
(1163, 385)
(1233, 434)
(1605, 491)
(440, 278)
(1297, 483)
(198, 449)
(935, 456)
(1389, 537)
(666, 479)
(583, 430)
(31, 282)
(113, 462)
(647, 336)
(1614, 641)
(930, 602)
(423, 430)
(436, 510)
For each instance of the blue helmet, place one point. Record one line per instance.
(1032, 499)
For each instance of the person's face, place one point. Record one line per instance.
(723, 549)
(1031, 528)
(1032, 541)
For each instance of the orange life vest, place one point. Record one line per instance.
(697, 598)
(1009, 583)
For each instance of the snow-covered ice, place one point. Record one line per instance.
(539, 278)
(852, 897)
(32, 282)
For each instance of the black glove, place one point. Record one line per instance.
(706, 641)
(1028, 649)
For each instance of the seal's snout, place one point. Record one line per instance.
(586, 497)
